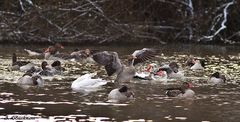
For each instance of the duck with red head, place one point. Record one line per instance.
(195, 64)
(184, 91)
(172, 70)
(84, 56)
(38, 52)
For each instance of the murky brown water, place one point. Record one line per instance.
(56, 100)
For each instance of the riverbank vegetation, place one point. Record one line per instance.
(120, 21)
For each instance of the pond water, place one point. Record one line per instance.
(56, 100)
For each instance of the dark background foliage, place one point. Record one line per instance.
(123, 21)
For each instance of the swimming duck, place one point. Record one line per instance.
(172, 70)
(113, 64)
(183, 91)
(29, 79)
(195, 64)
(84, 56)
(198, 65)
(53, 49)
(217, 78)
(54, 69)
(120, 94)
(152, 72)
(16, 65)
(46, 71)
(86, 83)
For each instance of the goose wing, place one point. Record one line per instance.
(110, 60)
(143, 55)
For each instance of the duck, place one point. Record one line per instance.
(172, 70)
(84, 56)
(195, 64)
(120, 94)
(151, 73)
(113, 64)
(46, 71)
(31, 80)
(198, 65)
(87, 84)
(16, 65)
(184, 91)
(53, 49)
(54, 69)
(217, 78)
(49, 55)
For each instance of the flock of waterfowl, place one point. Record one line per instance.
(113, 65)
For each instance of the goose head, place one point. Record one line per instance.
(131, 59)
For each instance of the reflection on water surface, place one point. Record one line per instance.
(56, 100)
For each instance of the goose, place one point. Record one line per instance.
(120, 94)
(113, 64)
(54, 49)
(217, 78)
(32, 80)
(184, 91)
(16, 65)
(86, 83)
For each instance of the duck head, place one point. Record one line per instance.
(174, 66)
(87, 52)
(125, 90)
(218, 75)
(44, 65)
(37, 80)
(186, 85)
(190, 61)
(56, 64)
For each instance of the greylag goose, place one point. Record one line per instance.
(113, 64)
